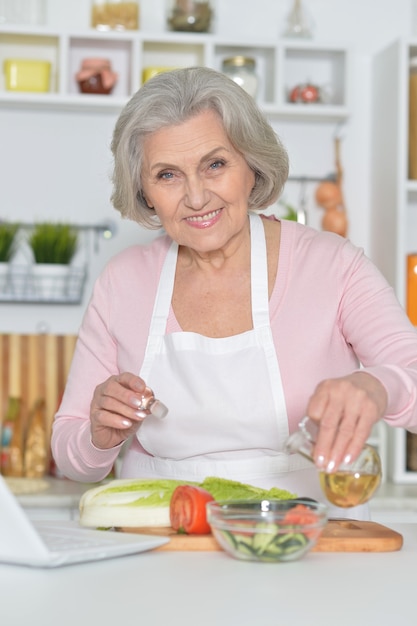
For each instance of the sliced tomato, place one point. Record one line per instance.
(187, 510)
(301, 514)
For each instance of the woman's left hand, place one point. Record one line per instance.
(345, 409)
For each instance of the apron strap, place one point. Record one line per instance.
(164, 293)
(160, 309)
(259, 273)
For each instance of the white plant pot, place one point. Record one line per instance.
(50, 280)
(18, 281)
(4, 278)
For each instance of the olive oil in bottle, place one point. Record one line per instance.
(345, 489)
(352, 483)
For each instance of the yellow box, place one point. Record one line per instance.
(27, 75)
(151, 71)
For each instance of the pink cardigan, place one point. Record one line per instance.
(330, 311)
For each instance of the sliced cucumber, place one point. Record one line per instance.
(291, 539)
(264, 536)
(246, 549)
(267, 543)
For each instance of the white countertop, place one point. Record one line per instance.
(213, 589)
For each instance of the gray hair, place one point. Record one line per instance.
(173, 97)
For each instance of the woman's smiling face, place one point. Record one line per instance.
(197, 182)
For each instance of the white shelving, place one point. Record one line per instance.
(394, 202)
(280, 66)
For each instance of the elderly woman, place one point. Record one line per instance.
(241, 325)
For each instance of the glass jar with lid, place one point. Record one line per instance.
(242, 70)
(23, 12)
(190, 15)
(114, 15)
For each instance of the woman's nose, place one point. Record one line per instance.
(196, 193)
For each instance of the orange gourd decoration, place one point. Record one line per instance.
(329, 196)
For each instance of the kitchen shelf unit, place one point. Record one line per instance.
(394, 198)
(280, 65)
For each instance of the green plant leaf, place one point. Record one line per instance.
(7, 240)
(53, 242)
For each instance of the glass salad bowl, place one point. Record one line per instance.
(267, 530)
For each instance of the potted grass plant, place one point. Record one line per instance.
(8, 233)
(53, 246)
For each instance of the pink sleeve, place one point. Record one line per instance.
(78, 459)
(383, 338)
(401, 385)
(93, 362)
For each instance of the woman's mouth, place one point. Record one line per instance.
(204, 220)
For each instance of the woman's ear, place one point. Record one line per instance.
(150, 206)
(141, 198)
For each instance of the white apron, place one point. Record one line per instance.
(227, 415)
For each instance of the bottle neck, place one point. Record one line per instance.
(299, 443)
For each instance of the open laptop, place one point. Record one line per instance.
(51, 544)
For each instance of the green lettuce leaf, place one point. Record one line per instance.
(224, 489)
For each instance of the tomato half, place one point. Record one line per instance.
(300, 514)
(187, 510)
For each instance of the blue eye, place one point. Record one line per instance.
(165, 175)
(216, 164)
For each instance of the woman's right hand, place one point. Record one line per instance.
(115, 412)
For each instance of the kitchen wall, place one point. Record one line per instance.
(56, 164)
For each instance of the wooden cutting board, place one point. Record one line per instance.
(339, 535)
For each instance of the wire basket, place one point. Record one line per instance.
(43, 283)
